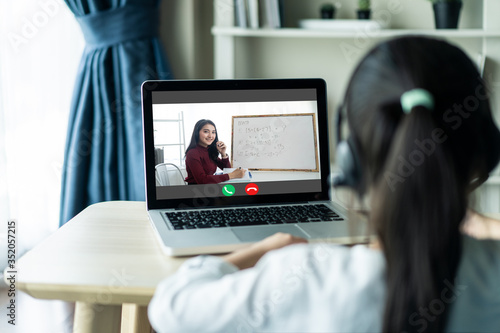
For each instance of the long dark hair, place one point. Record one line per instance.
(195, 137)
(419, 167)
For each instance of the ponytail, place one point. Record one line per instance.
(417, 208)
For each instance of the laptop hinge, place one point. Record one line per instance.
(243, 206)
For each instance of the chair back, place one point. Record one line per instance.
(168, 174)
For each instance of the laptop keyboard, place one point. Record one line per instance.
(235, 217)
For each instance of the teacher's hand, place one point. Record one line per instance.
(238, 173)
(221, 148)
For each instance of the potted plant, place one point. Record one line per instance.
(364, 10)
(446, 13)
(327, 11)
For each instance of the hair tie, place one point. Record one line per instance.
(415, 97)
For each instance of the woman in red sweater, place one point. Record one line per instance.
(202, 156)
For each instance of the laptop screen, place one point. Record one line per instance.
(231, 142)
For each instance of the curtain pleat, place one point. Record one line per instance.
(104, 151)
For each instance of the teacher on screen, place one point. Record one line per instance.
(202, 156)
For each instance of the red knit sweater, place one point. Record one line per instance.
(201, 168)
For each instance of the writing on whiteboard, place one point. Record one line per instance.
(275, 142)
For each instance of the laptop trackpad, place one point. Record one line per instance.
(255, 234)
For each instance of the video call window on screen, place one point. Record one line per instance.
(276, 139)
(272, 140)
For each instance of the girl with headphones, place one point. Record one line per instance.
(422, 138)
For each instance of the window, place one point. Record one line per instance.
(41, 48)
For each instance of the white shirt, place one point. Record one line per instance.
(312, 288)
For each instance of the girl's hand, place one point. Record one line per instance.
(221, 148)
(480, 226)
(249, 256)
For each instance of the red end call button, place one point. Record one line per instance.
(252, 189)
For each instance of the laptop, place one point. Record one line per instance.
(276, 130)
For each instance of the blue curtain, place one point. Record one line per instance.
(104, 153)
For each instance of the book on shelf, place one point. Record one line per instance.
(258, 13)
(159, 155)
(240, 12)
(253, 13)
(273, 13)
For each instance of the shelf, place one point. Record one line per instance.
(309, 33)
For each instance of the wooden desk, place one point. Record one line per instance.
(108, 261)
(105, 257)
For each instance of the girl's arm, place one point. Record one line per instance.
(248, 257)
(481, 226)
(223, 163)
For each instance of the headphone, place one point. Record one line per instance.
(346, 158)
(350, 172)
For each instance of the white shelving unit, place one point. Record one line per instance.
(180, 144)
(226, 34)
(332, 55)
(301, 33)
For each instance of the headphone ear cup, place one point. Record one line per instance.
(347, 160)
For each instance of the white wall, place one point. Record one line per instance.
(185, 33)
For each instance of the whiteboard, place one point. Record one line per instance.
(286, 142)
